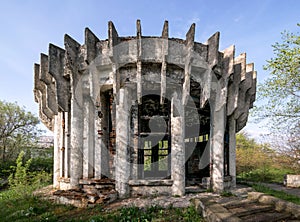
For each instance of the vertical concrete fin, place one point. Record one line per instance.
(44, 69)
(139, 39)
(46, 78)
(253, 89)
(233, 88)
(90, 41)
(228, 61)
(165, 32)
(138, 28)
(163, 76)
(113, 40)
(71, 56)
(190, 36)
(56, 69)
(242, 111)
(242, 61)
(43, 89)
(250, 67)
(251, 93)
(36, 90)
(40, 97)
(139, 63)
(213, 49)
(113, 37)
(189, 42)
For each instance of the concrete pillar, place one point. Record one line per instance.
(88, 137)
(177, 146)
(122, 143)
(76, 137)
(56, 154)
(62, 144)
(134, 145)
(232, 151)
(217, 149)
(67, 145)
(98, 142)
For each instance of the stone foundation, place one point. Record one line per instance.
(150, 187)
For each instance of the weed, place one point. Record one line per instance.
(226, 194)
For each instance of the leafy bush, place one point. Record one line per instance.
(22, 180)
(41, 164)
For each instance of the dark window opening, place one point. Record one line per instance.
(154, 138)
(226, 154)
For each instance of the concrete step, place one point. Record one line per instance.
(237, 209)
(232, 203)
(271, 216)
(194, 189)
(249, 209)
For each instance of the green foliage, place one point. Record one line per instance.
(250, 155)
(153, 213)
(226, 194)
(20, 178)
(41, 164)
(35, 209)
(280, 97)
(18, 130)
(259, 163)
(22, 181)
(28, 208)
(282, 89)
(5, 168)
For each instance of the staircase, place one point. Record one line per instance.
(256, 207)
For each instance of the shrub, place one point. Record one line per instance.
(22, 180)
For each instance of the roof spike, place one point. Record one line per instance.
(165, 32)
(138, 28)
(112, 34)
(68, 40)
(228, 61)
(91, 45)
(250, 67)
(190, 36)
(213, 49)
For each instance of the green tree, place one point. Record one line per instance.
(251, 155)
(281, 90)
(18, 130)
(281, 93)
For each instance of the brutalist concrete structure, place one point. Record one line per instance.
(156, 114)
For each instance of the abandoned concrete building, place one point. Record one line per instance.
(155, 114)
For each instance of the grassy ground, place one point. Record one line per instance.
(280, 194)
(267, 175)
(26, 207)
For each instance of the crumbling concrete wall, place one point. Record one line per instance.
(90, 95)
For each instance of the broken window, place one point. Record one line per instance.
(154, 137)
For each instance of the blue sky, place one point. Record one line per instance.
(29, 26)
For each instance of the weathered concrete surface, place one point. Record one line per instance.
(257, 207)
(280, 205)
(97, 138)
